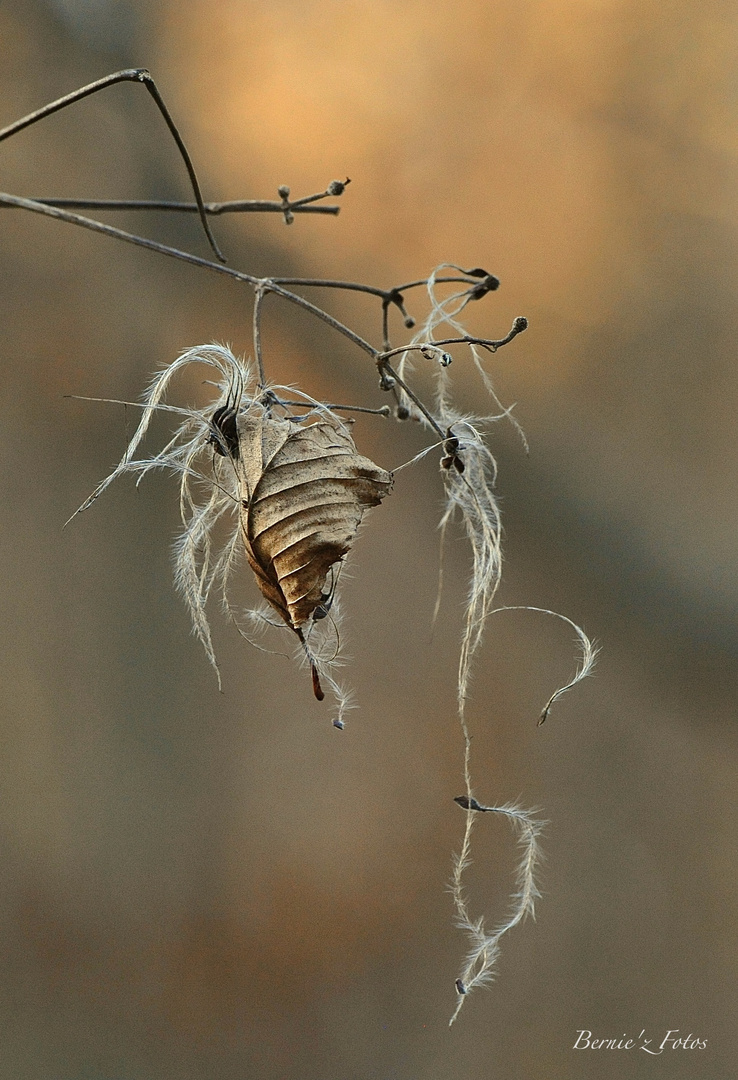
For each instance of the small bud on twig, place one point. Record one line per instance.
(284, 193)
(489, 284)
(337, 187)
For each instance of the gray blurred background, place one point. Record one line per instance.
(197, 885)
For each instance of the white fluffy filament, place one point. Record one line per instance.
(469, 492)
(209, 493)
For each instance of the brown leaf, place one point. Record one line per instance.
(304, 491)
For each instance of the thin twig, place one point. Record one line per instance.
(270, 285)
(519, 325)
(121, 234)
(384, 410)
(385, 367)
(274, 285)
(194, 260)
(129, 75)
(329, 283)
(258, 300)
(390, 296)
(237, 206)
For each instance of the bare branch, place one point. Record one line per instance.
(129, 75)
(519, 325)
(237, 206)
(121, 234)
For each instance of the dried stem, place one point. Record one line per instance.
(275, 285)
(140, 75)
(235, 206)
(258, 301)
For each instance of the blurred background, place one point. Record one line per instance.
(199, 885)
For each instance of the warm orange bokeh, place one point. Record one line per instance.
(198, 885)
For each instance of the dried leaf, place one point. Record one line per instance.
(304, 491)
(298, 490)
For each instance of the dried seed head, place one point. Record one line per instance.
(225, 436)
(296, 491)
